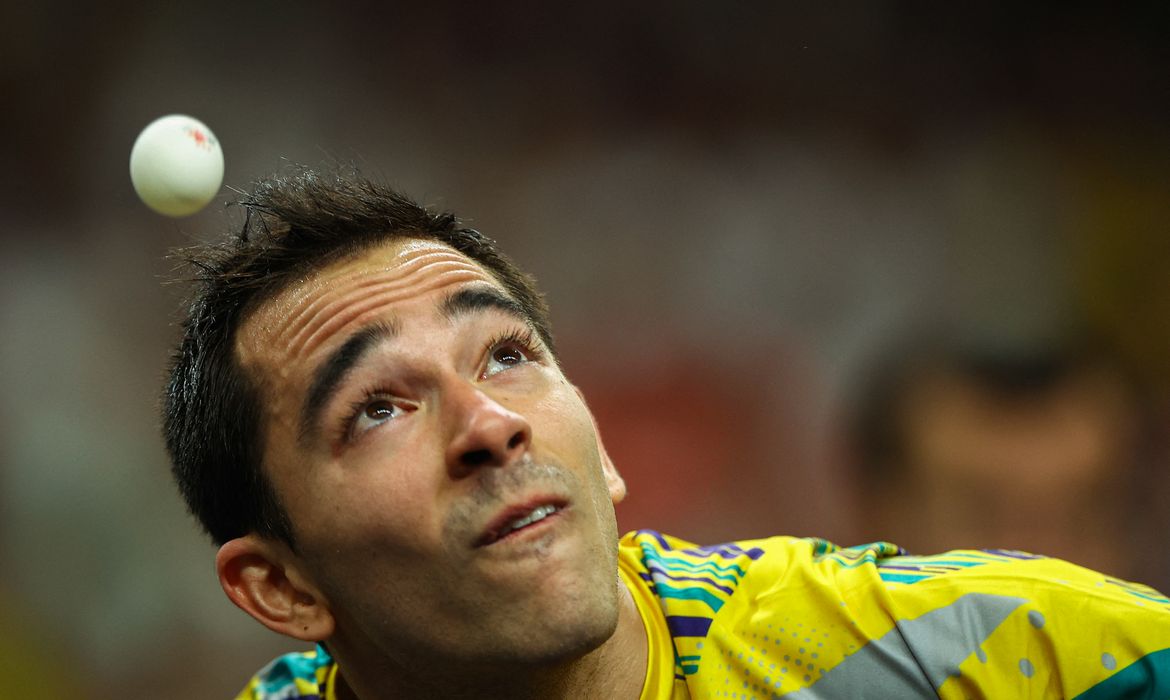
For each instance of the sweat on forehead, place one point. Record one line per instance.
(351, 292)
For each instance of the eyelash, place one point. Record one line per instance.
(357, 407)
(525, 338)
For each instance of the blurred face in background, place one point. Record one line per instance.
(1044, 472)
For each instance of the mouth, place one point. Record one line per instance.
(520, 519)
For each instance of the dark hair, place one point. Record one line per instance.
(294, 224)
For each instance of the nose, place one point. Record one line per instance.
(484, 433)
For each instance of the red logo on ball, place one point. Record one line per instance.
(202, 139)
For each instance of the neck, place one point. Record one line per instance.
(616, 669)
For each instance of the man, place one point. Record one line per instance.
(1042, 448)
(367, 415)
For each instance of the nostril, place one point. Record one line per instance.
(516, 441)
(477, 458)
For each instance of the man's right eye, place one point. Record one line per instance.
(373, 413)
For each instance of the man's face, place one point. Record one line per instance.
(993, 470)
(412, 419)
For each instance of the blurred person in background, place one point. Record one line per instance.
(367, 414)
(1043, 449)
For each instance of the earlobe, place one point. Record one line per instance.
(260, 577)
(617, 485)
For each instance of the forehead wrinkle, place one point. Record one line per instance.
(330, 303)
(370, 276)
(309, 305)
(337, 315)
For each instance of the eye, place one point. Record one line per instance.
(373, 413)
(508, 353)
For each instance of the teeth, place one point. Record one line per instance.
(538, 513)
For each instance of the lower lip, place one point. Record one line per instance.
(532, 529)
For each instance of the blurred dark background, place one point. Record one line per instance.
(863, 271)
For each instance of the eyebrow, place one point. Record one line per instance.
(333, 370)
(481, 298)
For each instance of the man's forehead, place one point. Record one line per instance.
(313, 308)
(395, 259)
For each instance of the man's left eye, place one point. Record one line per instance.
(504, 357)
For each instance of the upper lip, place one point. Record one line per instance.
(497, 526)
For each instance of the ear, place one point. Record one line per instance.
(262, 578)
(617, 485)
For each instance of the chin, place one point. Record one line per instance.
(568, 646)
(592, 633)
(576, 626)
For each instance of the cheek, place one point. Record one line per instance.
(561, 417)
(566, 432)
(357, 507)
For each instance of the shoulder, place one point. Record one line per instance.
(695, 584)
(298, 675)
(652, 547)
(1035, 588)
(1015, 573)
(757, 567)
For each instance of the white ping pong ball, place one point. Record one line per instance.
(176, 165)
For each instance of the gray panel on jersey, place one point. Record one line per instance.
(915, 658)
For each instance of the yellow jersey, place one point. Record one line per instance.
(803, 619)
